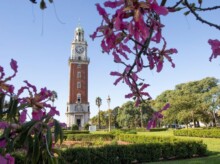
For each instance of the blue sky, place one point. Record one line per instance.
(41, 45)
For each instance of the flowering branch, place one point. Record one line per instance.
(20, 133)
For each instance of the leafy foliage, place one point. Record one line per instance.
(32, 136)
(191, 102)
(205, 133)
(90, 137)
(134, 153)
(74, 127)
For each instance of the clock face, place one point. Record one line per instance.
(79, 49)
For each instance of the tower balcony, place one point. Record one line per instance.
(79, 59)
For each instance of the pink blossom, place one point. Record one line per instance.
(215, 45)
(160, 10)
(31, 86)
(156, 56)
(37, 114)
(117, 74)
(3, 160)
(138, 93)
(53, 112)
(2, 72)
(2, 143)
(11, 89)
(21, 90)
(102, 12)
(22, 117)
(139, 64)
(4, 125)
(14, 65)
(114, 4)
(119, 25)
(125, 48)
(117, 59)
(121, 52)
(159, 65)
(45, 93)
(156, 116)
(63, 125)
(50, 124)
(10, 159)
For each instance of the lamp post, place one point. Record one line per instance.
(214, 98)
(141, 111)
(98, 102)
(109, 123)
(53, 97)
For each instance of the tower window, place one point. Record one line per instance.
(78, 84)
(79, 97)
(79, 75)
(79, 66)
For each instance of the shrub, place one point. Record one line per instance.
(133, 153)
(158, 129)
(141, 129)
(117, 131)
(65, 132)
(86, 126)
(131, 132)
(90, 137)
(206, 133)
(74, 127)
(144, 139)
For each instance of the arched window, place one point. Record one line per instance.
(79, 98)
(78, 75)
(78, 85)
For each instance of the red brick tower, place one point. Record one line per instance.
(78, 106)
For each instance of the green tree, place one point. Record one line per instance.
(191, 102)
(129, 116)
(104, 119)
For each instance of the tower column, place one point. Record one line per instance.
(78, 104)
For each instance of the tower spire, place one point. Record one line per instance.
(79, 33)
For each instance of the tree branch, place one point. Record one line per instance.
(200, 18)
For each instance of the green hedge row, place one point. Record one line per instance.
(75, 132)
(158, 129)
(138, 139)
(90, 137)
(134, 153)
(206, 133)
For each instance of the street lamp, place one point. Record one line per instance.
(98, 102)
(141, 111)
(53, 97)
(109, 123)
(214, 98)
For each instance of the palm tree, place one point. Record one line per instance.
(98, 103)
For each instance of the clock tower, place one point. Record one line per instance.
(78, 111)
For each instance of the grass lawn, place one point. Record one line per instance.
(213, 146)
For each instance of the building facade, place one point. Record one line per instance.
(78, 111)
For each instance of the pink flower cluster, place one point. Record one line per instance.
(4, 87)
(157, 116)
(36, 102)
(135, 23)
(215, 45)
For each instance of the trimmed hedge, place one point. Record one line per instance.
(90, 137)
(75, 132)
(133, 153)
(158, 129)
(205, 133)
(138, 139)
